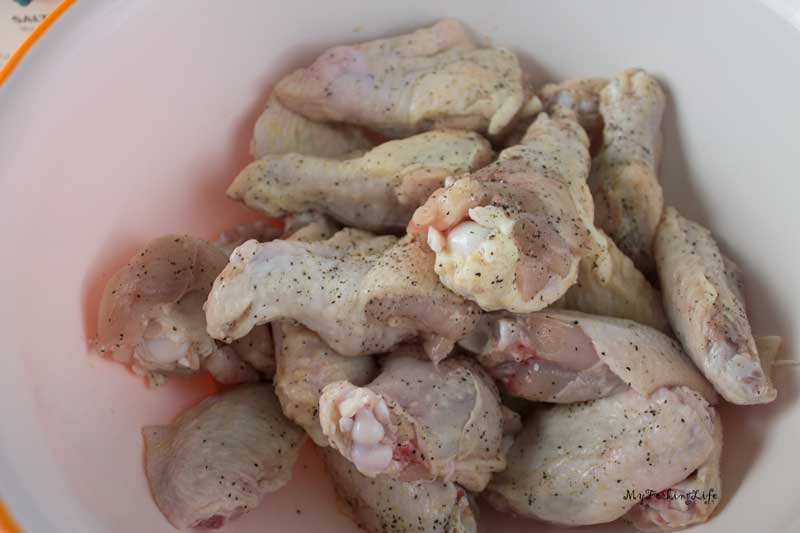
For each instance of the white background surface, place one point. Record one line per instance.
(128, 120)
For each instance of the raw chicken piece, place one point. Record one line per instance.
(377, 191)
(404, 291)
(583, 97)
(282, 131)
(689, 502)
(433, 78)
(305, 365)
(360, 293)
(418, 421)
(609, 284)
(510, 236)
(624, 179)
(218, 459)
(151, 313)
(567, 356)
(705, 305)
(385, 505)
(587, 463)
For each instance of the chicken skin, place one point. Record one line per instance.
(418, 421)
(220, 458)
(692, 501)
(703, 297)
(610, 284)
(435, 77)
(566, 356)
(385, 505)
(586, 463)
(279, 130)
(305, 364)
(510, 236)
(377, 190)
(362, 294)
(624, 180)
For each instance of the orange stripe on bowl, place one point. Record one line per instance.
(7, 523)
(17, 56)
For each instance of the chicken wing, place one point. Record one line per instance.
(587, 463)
(436, 77)
(305, 365)
(705, 305)
(377, 191)
(690, 502)
(510, 236)
(217, 460)
(418, 421)
(567, 356)
(360, 293)
(583, 97)
(610, 284)
(624, 179)
(385, 505)
(279, 130)
(151, 313)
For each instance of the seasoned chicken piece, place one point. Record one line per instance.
(279, 130)
(510, 236)
(691, 501)
(433, 78)
(360, 293)
(377, 191)
(624, 179)
(587, 463)
(610, 284)
(567, 356)
(583, 97)
(151, 313)
(705, 305)
(382, 504)
(305, 365)
(419, 421)
(220, 458)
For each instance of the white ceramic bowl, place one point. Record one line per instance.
(128, 119)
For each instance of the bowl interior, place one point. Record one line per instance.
(128, 120)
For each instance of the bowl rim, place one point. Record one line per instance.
(19, 54)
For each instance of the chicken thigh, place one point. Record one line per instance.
(587, 463)
(385, 505)
(624, 179)
(279, 130)
(360, 293)
(305, 365)
(218, 459)
(705, 305)
(436, 77)
(510, 236)
(567, 356)
(419, 421)
(377, 191)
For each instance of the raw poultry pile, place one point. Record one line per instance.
(465, 288)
